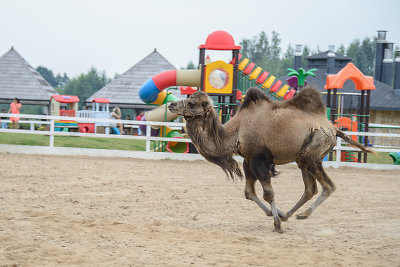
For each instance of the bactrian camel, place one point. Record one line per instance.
(267, 133)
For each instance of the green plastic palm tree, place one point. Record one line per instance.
(301, 75)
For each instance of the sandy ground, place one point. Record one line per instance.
(63, 211)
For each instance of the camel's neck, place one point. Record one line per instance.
(211, 137)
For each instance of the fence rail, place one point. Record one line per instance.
(44, 119)
(51, 119)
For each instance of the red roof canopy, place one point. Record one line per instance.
(101, 100)
(65, 98)
(220, 40)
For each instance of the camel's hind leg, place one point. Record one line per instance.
(249, 191)
(310, 189)
(327, 189)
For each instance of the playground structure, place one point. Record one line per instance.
(67, 106)
(362, 83)
(100, 110)
(227, 81)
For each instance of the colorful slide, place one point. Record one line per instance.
(262, 79)
(152, 92)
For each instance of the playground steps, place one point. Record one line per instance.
(252, 76)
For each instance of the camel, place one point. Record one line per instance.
(267, 133)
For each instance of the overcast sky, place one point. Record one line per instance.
(73, 35)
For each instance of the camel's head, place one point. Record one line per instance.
(198, 104)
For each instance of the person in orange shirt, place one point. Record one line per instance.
(15, 106)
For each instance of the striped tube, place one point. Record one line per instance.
(150, 90)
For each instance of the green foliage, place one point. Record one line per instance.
(306, 54)
(86, 84)
(363, 53)
(190, 66)
(57, 81)
(268, 53)
(341, 50)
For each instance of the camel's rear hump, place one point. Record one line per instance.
(309, 99)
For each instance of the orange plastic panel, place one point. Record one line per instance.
(350, 72)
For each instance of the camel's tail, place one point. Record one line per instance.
(352, 142)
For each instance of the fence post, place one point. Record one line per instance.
(148, 135)
(51, 144)
(338, 152)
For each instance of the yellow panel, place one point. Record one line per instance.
(160, 98)
(214, 82)
(269, 82)
(243, 64)
(255, 73)
(283, 90)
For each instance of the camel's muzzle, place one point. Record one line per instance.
(173, 107)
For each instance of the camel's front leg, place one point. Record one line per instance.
(310, 189)
(250, 192)
(269, 197)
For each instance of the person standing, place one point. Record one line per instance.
(15, 107)
(116, 115)
(3, 123)
(139, 118)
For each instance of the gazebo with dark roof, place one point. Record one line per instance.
(19, 79)
(124, 90)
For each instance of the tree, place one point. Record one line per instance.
(264, 53)
(341, 50)
(306, 54)
(288, 58)
(363, 53)
(57, 81)
(190, 66)
(257, 49)
(86, 84)
(48, 75)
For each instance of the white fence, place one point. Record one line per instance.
(42, 119)
(51, 119)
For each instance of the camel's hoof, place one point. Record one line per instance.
(278, 230)
(301, 216)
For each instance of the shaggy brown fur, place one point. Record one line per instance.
(265, 134)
